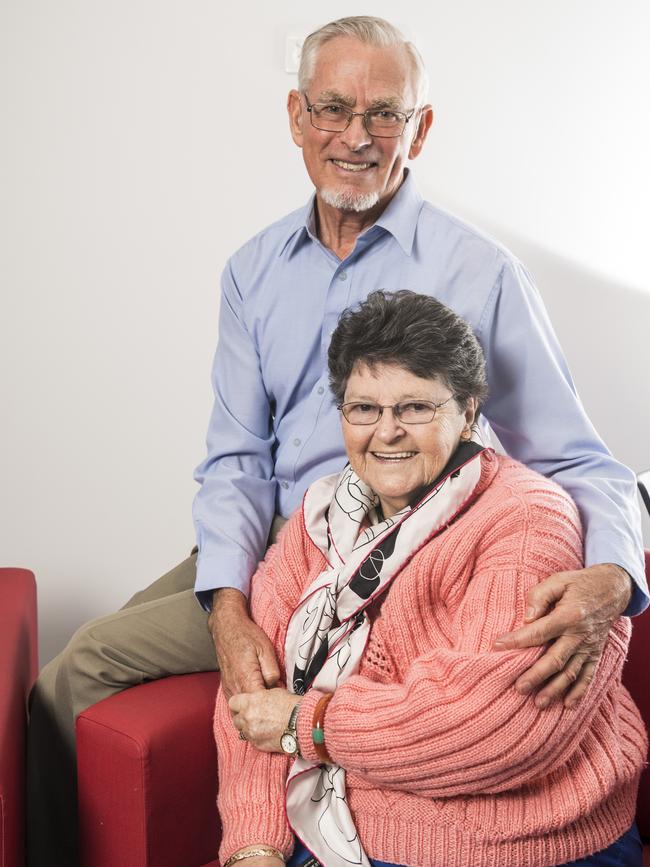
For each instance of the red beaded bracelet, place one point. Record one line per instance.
(318, 729)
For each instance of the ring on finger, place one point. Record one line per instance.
(242, 736)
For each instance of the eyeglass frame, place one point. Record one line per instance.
(352, 114)
(392, 407)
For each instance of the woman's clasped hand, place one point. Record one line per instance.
(262, 717)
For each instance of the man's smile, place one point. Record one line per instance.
(353, 167)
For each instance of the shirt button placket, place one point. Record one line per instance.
(338, 298)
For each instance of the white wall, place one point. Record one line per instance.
(142, 141)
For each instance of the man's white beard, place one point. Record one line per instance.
(348, 201)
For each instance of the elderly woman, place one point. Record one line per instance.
(400, 738)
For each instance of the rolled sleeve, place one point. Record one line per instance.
(228, 567)
(618, 548)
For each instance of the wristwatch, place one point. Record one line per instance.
(289, 739)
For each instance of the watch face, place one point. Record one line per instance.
(289, 744)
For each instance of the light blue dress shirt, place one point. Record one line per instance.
(274, 427)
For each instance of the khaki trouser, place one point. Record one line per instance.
(159, 632)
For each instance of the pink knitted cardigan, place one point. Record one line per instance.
(446, 763)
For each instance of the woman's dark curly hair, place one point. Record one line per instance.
(413, 331)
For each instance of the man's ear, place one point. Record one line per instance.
(424, 125)
(295, 112)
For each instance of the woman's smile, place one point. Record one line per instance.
(392, 457)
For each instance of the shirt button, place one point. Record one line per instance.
(285, 485)
(296, 442)
(320, 389)
(343, 275)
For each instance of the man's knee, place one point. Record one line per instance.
(166, 636)
(88, 669)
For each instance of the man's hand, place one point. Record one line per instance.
(246, 656)
(574, 610)
(263, 716)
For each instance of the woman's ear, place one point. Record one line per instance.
(470, 416)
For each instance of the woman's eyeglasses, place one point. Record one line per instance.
(408, 412)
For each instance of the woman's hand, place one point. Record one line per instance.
(263, 717)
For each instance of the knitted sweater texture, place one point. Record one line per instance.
(447, 765)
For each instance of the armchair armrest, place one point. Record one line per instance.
(147, 776)
(18, 669)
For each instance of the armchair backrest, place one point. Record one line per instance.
(636, 677)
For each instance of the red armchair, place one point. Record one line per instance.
(147, 776)
(18, 652)
(147, 786)
(635, 678)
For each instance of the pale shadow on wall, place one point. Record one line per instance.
(604, 329)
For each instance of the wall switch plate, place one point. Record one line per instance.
(292, 53)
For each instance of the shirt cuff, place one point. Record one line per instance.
(225, 568)
(304, 725)
(604, 547)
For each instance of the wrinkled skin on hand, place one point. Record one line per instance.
(263, 716)
(573, 611)
(246, 657)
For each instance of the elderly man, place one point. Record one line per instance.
(358, 115)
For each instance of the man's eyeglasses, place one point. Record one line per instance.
(409, 412)
(379, 122)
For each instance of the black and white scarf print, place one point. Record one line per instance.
(329, 628)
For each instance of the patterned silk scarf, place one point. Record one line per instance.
(329, 628)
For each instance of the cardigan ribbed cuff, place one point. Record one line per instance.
(254, 825)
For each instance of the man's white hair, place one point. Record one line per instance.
(372, 31)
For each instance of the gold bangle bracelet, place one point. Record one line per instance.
(257, 852)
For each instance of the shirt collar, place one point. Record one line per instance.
(300, 229)
(401, 215)
(399, 219)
